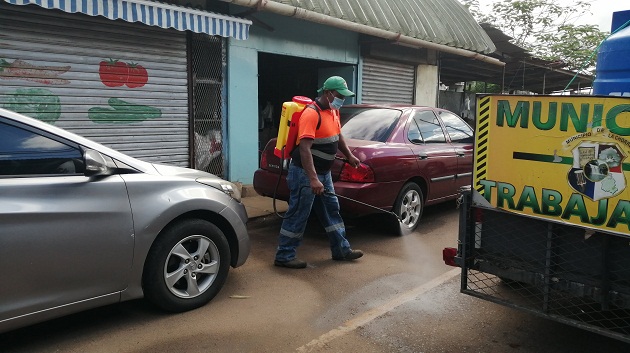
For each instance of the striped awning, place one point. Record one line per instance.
(152, 13)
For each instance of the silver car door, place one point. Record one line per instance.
(64, 237)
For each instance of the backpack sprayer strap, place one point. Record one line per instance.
(319, 115)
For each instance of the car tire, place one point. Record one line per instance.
(408, 207)
(186, 266)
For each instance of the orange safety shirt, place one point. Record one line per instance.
(325, 138)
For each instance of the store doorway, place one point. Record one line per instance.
(280, 77)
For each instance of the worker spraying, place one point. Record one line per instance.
(318, 139)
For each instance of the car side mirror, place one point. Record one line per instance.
(96, 164)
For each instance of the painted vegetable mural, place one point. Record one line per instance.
(45, 105)
(123, 112)
(113, 73)
(138, 76)
(38, 103)
(116, 73)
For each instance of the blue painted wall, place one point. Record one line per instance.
(290, 37)
(242, 114)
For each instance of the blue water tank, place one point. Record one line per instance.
(612, 74)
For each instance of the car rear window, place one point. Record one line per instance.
(370, 124)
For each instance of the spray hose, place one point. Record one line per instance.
(328, 192)
(364, 204)
(275, 190)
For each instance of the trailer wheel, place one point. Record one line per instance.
(409, 206)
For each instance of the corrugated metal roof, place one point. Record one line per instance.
(444, 22)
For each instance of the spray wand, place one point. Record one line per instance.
(364, 204)
(325, 192)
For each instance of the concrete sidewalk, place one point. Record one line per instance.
(260, 206)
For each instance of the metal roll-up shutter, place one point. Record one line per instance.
(387, 82)
(121, 84)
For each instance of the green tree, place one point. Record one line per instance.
(545, 28)
(483, 87)
(575, 45)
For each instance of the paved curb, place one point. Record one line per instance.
(247, 190)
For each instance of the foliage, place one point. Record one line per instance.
(482, 87)
(545, 28)
(575, 45)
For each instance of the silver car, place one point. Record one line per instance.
(82, 225)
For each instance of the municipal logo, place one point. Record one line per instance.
(597, 170)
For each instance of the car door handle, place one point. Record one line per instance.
(460, 153)
(423, 156)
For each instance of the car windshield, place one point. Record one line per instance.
(370, 124)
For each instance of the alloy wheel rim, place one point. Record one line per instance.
(410, 208)
(191, 266)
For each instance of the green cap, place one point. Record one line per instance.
(337, 83)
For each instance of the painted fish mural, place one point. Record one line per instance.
(23, 70)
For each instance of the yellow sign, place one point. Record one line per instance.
(564, 158)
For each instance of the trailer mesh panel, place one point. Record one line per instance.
(570, 274)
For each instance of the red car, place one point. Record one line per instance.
(411, 156)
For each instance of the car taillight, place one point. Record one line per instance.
(448, 255)
(264, 164)
(361, 174)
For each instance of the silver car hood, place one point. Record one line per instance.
(211, 180)
(169, 170)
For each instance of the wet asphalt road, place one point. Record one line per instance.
(399, 298)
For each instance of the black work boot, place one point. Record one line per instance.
(352, 255)
(295, 263)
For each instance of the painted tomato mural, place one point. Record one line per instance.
(113, 73)
(138, 76)
(116, 73)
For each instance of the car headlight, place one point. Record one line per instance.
(223, 185)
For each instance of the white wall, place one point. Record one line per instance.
(426, 85)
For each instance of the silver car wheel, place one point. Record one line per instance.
(408, 207)
(186, 266)
(191, 266)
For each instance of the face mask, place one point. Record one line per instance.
(336, 103)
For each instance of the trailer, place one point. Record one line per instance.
(545, 225)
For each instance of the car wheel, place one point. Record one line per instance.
(409, 205)
(186, 266)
